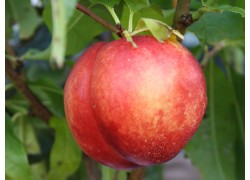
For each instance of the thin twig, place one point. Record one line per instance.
(209, 54)
(182, 17)
(99, 19)
(17, 78)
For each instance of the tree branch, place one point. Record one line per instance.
(182, 17)
(17, 78)
(117, 30)
(209, 54)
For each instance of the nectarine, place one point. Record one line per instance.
(128, 107)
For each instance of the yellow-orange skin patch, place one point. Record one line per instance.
(142, 105)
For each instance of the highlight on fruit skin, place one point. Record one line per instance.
(129, 107)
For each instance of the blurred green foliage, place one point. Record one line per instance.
(35, 150)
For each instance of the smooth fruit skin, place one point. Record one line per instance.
(80, 115)
(130, 107)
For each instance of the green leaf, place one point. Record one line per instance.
(109, 173)
(153, 12)
(208, 2)
(136, 5)
(237, 90)
(233, 9)
(39, 171)
(240, 3)
(212, 149)
(168, 15)
(25, 15)
(51, 95)
(70, 7)
(235, 56)
(154, 172)
(43, 73)
(59, 18)
(214, 27)
(9, 86)
(159, 30)
(233, 6)
(65, 156)
(46, 83)
(78, 34)
(34, 54)
(16, 106)
(238, 82)
(61, 13)
(80, 173)
(195, 4)
(26, 134)
(16, 163)
(164, 4)
(108, 3)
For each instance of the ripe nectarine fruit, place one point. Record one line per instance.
(128, 107)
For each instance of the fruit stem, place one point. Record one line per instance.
(113, 14)
(98, 19)
(208, 54)
(197, 14)
(129, 38)
(125, 33)
(130, 22)
(139, 31)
